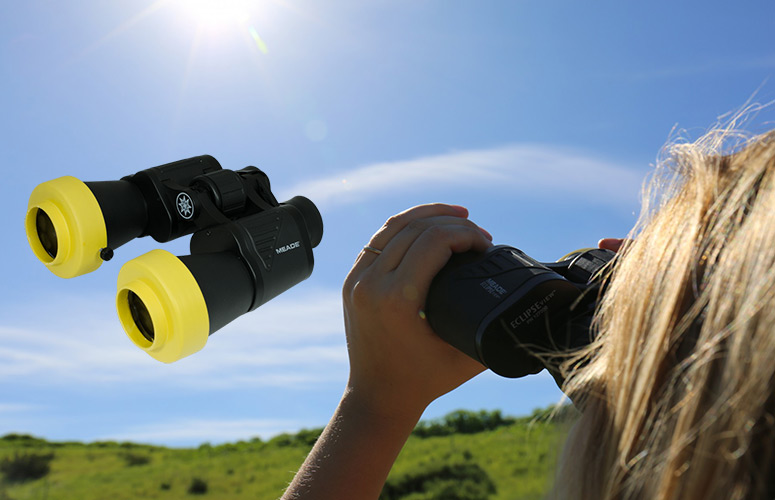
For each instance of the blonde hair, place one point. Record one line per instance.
(678, 390)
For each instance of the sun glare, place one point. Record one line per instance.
(222, 20)
(218, 15)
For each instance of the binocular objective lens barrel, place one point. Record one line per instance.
(46, 233)
(141, 316)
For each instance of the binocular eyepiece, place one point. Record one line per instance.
(246, 247)
(514, 314)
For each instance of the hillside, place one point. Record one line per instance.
(463, 456)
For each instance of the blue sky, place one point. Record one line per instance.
(541, 117)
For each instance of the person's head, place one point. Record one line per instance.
(678, 390)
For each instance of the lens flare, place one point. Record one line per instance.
(259, 42)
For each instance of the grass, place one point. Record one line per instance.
(519, 458)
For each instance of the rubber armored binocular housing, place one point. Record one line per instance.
(514, 314)
(246, 247)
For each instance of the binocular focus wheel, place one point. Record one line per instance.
(161, 306)
(575, 253)
(65, 227)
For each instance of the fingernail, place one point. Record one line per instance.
(460, 208)
(486, 233)
(610, 243)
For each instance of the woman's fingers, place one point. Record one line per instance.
(397, 223)
(396, 249)
(431, 250)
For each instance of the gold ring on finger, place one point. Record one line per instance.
(372, 249)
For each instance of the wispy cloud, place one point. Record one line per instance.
(191, 431)
(527, 169)
(18, 407)
(275, 346)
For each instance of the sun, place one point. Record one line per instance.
(218, 15)
(214, 21)
(221, 20)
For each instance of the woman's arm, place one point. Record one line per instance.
(353, 456)
(398, 365)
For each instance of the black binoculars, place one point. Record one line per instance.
(246, 247)
(514, 314)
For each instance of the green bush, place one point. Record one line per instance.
(460, 481)
(197, 486)
(462, 422)
(26, 466)
(134, 459)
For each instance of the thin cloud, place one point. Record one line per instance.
(527, 169)
(277, 346)
(18, 407)
(192, 431)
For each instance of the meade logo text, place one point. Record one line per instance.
(284, 249)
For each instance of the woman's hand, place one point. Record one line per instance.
(398, 365)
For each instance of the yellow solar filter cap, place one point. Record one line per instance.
(65, 227)
(161, 306)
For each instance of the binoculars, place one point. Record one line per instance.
(246, 247)
(514, 314)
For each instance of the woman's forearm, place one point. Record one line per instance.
(353, 456)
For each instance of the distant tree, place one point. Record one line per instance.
(282, 440)
(308, 437)
(23, 440)
(304, 438)
(555, 413)
(104, 444)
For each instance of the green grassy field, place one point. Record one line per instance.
(517, 457)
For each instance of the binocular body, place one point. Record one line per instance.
(246, 247)
(514, 314)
